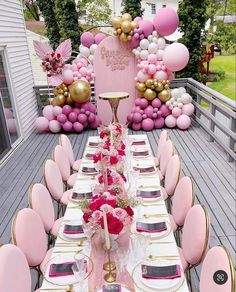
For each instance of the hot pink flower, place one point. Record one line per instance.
(97, 215)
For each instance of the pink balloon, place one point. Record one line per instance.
(83, 71)
(152, 58)
(62, 118)
(78, 127)
(143, 103)
(154, 115)
(183, 122)
(152, 69)
(176, 112)
(91, 118)
(91, 108)
(96, 123)
(67, 109)
(134, 41)
(147, 124)
(82, 118)
(159, 55)
(144, 116)
(137, 118)
(188, 109)
(48, 112)
(161, 75)
(87, 39)
(68, 76)
(130, 118)
(146, 26)
(142, 77)
(138, 19)
(76, 110)
(99, 37)
(170, 121)
(149, 111)
(8, 113)
(159, 123)
(87, 113)
(57, 110)
(54, 126)
(176, 57)
(138, 101)
(164, 110)
(136, 126)
(72, 117)
(166, 21)
(67, 126)
(41, 124)
(156, 102)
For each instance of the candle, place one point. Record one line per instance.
(107, 238)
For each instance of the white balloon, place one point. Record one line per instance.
(186, 98)
(139, 49)
(171, 107)
(93, 48)
(155, 40)
(180, 105)
(168, 103)
(179, 99)
(144, 54)
(161, 43)
(182, 90)
(175, 103)
(152, 48)
(154, 33)
(172, 99)
(175, 92)
(134, 51)
(91, 58)
(80, 47)
(137, 54)
(144, 44)
(159, 54)
(85, 52)
(150, 38)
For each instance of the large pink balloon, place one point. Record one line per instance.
(183, 122)
(156, 103)
(147, 124)
(138, 19)
(99, 37)
(188, 109)
(143, 103)
(176, 57)
(54, 126)
(170, 121)
(41, 124)
(159, 123)
(48, 112)
(87, 39)
(146, 26)
(166, 21)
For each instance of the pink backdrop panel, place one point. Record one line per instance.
(115, 68)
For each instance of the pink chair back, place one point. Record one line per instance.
(217, 259)
(14, 270)
(195, 235)
(53, 179)
(61, 158)
(183, 200)
(166, 153)
(66, 144)
(29, 235)
(172, 174)
(162, 140)
(41, 202)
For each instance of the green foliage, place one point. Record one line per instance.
(193, 17)
(225, 37)
(31, 10)
(67, 18)
(133, 7)
(97, 12)
(47, 9)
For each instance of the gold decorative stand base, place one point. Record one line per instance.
(109, 267)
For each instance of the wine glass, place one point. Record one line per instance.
(80, 270)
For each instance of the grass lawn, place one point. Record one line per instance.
(227, 85)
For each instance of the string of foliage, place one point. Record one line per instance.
(133, 7)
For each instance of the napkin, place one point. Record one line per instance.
(86, 169)
(139, 143)
(73, 229)
(161, 272)
(148, 194)
(93, 144)
(140, 153)
(151, 227)
(60, 270)
(111, 288)
(80, 196)
(89, 155)
(145, 170)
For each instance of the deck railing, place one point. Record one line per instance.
(215, 113)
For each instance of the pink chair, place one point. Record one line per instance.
(62, 161)
(162, 140)
(195, 238)
(29, 235)
(217, 259)
(64, 141)
(41, 202)
(166, 153)
(54, 183)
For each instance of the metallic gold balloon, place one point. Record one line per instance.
(149, 83)
(69, 100)
(80, 91)
(59, 99)
(119, 31)
(134, 24)
(159, 86)
(129, 37)
(115, 33)
(166, 86)
(115, 21)
(123, 37)
(126, 26)
(66, 93)
(131, 32)
(150, 94)
(54, 102)
(126, 16)
(141, 87)
(164, 95)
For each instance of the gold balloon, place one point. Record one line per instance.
(115, 33)
(60, 99)
(134, 24)
(126, 16)
(80, 91)
(123, 37)
(164, 95)
(115, 21)
(131, 32)
(159, 86)
(66, 93)
(126, 26)
(54, 102)
(141, 86)
(69, 100)
(166, 86)
(119, 31)
(149, 94)
(149, 83)
(129, 37)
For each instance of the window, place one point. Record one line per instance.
(153, 8)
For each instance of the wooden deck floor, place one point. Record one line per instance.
(206, 162)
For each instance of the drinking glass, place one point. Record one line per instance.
(80, 270)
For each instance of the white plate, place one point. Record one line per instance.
(154, 235)
(64, 236)
(157, 284)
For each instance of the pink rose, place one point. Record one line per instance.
(97, 215)
(119, 213)
(128, 220)
(106, 208)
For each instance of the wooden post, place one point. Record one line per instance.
(212, 124)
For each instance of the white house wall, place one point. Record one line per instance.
(13, 37)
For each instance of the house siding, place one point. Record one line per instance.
(13, 37)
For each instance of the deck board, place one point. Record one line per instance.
(206, 162)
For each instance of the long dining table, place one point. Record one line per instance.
(161, 249)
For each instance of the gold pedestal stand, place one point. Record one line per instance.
(109, 266)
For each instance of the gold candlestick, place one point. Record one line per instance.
(109, 277)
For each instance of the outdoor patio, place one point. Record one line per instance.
(204, 161)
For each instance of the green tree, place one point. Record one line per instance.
(67, 18)
(47, 9)
(192, 15)
(133, 7)
(31, 10)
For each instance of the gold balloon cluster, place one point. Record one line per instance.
(153, 88)
(79, 91)
(124, 27)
